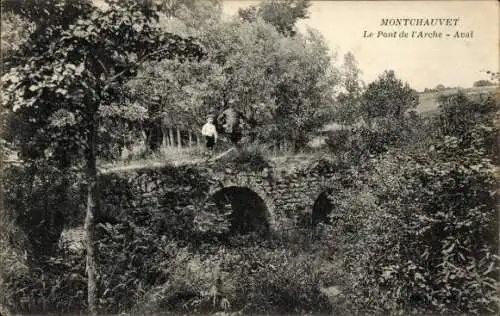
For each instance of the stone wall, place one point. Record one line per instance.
(172, 191)
(164, 199)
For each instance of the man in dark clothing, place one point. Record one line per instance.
(230, 120)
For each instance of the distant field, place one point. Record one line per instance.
(428, 106)
(428, 100)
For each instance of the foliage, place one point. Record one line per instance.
(246, 158)
(54, 284)
(185, 91)
(75, 62)
(12, 258)
(41, 200)
(483, 83)
(282, 14)
(420, 234)
(179, 93)
(470, 119)
(422, 239)
(190, 17)
(14, 32)
(358, 143)
(209, 278)
(283, 286)
(303, 94)
(281, 86)
(388, 97)
(56, 90)
(349, 100)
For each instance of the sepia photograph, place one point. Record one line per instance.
(240, 157)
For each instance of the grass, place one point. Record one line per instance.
(165, 156)
(429, 100)
(137, 158)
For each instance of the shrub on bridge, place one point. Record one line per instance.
(358, 143)
(248, 157)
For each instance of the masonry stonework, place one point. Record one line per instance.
(288, 196)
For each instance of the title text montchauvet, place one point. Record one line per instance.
(419, 22)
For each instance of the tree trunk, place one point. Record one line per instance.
(179, 144)
(165, 140)
(171, 136)
(285, 146)
(198, 141)
(92, 210)
(190, 139)
(145, 139)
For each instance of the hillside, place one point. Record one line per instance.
(428, 100)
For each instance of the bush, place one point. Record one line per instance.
(129, 257)
(471, 120)
(250, 157)
(171, 276)
(41, 199)
(248, 279)
(427, 241)
(55, 284)
(142, 271)
(418, 231)
(359, 143)
(13, 262)
(285, 282)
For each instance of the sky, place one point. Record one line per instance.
(422, 62)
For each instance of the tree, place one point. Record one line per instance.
(282, 14)
(388, 97)
(440, 87)
(494, 75)
(14, 32)
(72, 66)
(281, 85)
(469, 118)
(483, 83)
(350, 99)
(304, 89)
(174, 8)
(185, 92)
(180, 89)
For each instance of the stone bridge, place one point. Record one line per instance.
(284, 199)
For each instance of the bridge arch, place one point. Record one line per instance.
(246, 190)
(322, 208)
(250, 213)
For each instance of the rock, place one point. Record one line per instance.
(4, 311)
(331, 292)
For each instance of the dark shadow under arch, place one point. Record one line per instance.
(322, 208)
(249, 211)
